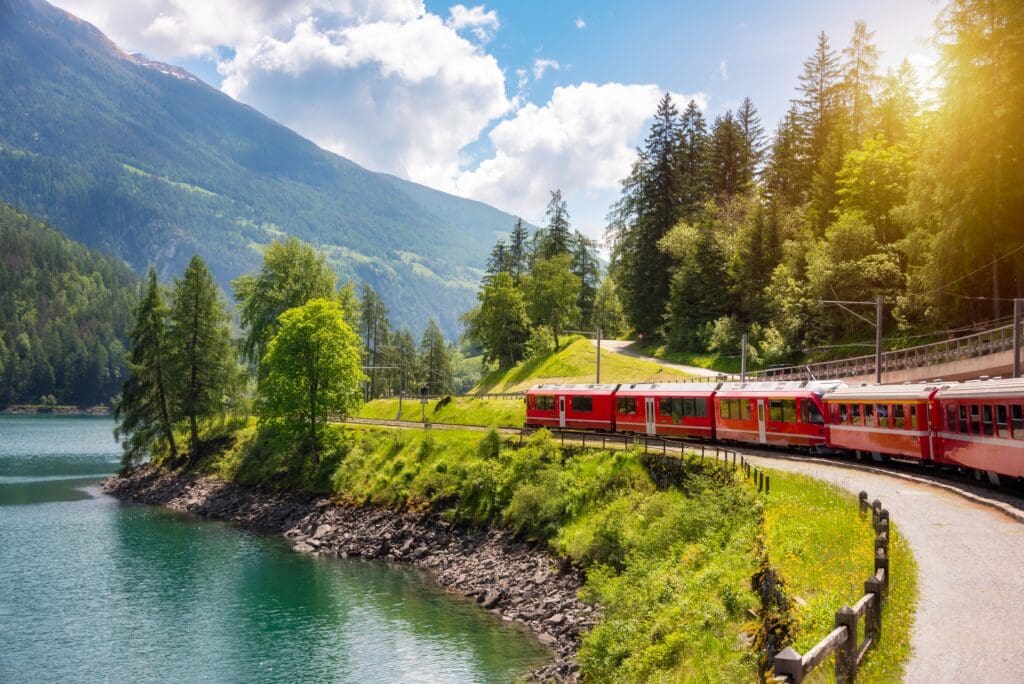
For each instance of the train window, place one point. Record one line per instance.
(963, 420)
(882, 411)
(665, 407)
(775, 410)
(625, 405)
(544, 402)
(1017, 420)
(1002, 427)
(724, 409)
(695, 408)
(582, 404)
(898, 420)
(951, 418)
(912, 421)
(986, 420)
(855, 414)
(869, 415)
(745, 408)
(975, 420)
(840, 413)
(811, 412)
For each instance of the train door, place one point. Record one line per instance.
(649, 415)
(762, 431)
(561, 412)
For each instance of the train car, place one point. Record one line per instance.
(980, 425)
(674, 409)
(773, 413)
(579, 407)
(883, 419)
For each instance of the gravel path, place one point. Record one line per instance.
(623, 347)
(970, 617)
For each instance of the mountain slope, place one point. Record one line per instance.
(146, 162)
(65, 314)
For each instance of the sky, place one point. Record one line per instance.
(505, 101)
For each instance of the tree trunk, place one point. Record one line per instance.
(164, 413)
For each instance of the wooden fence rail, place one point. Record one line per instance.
(791, 667)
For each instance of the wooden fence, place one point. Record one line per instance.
(791, 667)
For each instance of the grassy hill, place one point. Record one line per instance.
(575, 362)
(146, 162)
(454, 410)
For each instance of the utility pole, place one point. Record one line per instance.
(1018, 311)
(878, 340)
(877, 323)
(743, 359)
(598, 356)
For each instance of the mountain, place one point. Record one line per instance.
(65, 314)
(144, 161)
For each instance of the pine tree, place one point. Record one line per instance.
(897, 102)
(499, 261)
(435, 362)
(375, 328)
(693, 158)
(860, 78)
(783, 184)
(518, 251)
(585, 267)
(203, 357)
(818, 107)
(143, 412)
(749, 122)
(728, 171)
(557, 232)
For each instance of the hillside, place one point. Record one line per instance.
(65, 313)
(575, 362)
(144, 161)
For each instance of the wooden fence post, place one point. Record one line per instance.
(788, 663)
(882, 563)
(873, 617)
(846, 653)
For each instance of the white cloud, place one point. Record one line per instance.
(483, 23)
(582, 141)
(580, 23)
(541, 65)
(402, 90)
(723, 70)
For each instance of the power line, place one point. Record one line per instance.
(978, 270)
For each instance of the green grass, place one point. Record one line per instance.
(575, 362)
(708, 360)
(824, 551)
(457, 411)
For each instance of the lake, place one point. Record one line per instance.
(92, 589)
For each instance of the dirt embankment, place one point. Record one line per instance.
(518, 581)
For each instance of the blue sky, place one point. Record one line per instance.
(502, 101)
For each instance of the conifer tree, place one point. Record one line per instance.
(375, 329)
(518, 251)
(693, 155)
(500, 323)
(143, 411)
(435, 362)
(585, 267)
(818, 105)
(897, 103)
(499, 261)
(860, 78)
(557, 232)
(728, 160)
(202, 355)
(749, 122)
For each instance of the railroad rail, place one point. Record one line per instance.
(790, 667)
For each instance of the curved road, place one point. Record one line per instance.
(969, 625)
(623, 347)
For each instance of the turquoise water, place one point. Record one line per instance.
(93, 590)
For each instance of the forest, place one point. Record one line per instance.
(64, 317)
(873, 184)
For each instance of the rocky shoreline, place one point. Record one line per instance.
(517, 581)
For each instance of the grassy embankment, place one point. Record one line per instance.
(824, 550)
(708, 360)
(456, 410)
(575, 362)
(671, 567)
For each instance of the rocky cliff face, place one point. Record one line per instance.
(517, 581)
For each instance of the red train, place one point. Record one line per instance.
(978, 424)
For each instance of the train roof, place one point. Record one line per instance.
(795, 388)
(668, 388)
(1008, 388)
(573, 388)
(907, 392)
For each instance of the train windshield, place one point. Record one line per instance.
(812, 414)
